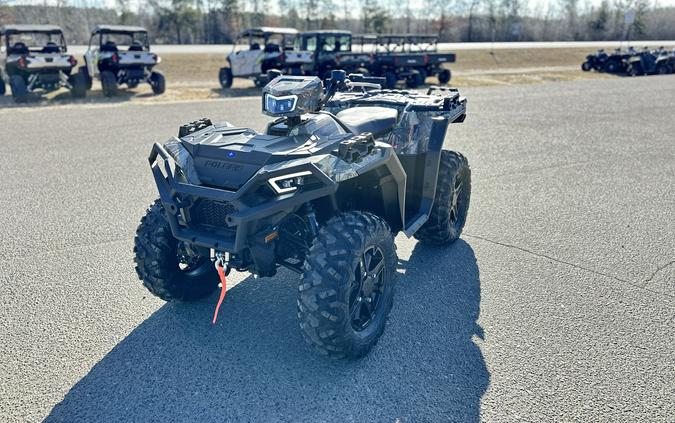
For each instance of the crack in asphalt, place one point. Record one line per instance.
(637, 285)
(658, 269)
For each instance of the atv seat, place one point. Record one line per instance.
(109, 46)
(51, 48)
(136, 46)
(376, 120)
(19, 48)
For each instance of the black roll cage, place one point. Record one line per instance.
(6, 36)
(146, 43)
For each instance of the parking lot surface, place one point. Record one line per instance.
(556, 305)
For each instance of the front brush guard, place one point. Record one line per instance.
(176, 195)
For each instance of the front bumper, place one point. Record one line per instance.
(241, 219)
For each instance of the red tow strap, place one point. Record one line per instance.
(223, 288)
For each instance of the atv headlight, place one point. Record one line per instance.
(280, 105)
(288, 183)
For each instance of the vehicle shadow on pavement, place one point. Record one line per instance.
(254, 366)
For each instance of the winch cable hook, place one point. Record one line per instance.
(220, 268)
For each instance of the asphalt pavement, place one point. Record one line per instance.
(556, 305)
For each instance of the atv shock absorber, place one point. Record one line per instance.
(311, 218)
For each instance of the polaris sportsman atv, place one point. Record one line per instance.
(34, 58)
(266, 51)
(322, 191)
(121, 55)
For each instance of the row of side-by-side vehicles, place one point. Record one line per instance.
(34, 59)
(397, 58)
(631, 61)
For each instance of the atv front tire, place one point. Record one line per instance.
(225, 77)
(157, 82)
(444, 76)
(169, 269)
(451, 202)
(390, 79)
(19, 88)
(586, 67)
(109, 83)
(347, 286)
(79, 86)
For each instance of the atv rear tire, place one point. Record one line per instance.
(109, 83)
(342, 310)
(3, 87)
(159, 256)
(157, 82)
(451, 202)
(414, 80)
(662, 69)
(636, 70)
(586, 67)
(611, 67)
(19, 89)
(444, 76)
(79, 86)
(390, 79)
(85, 74)
(225, 77)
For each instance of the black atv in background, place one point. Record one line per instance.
(34, 59)
(595, 61)
(121, 55)
(407, 57)
(322, 191)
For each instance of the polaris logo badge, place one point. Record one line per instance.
(231, 154)
(215, 164)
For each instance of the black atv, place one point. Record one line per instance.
(34, 59)
(595, 61)
(323, 192)
(617, 62)
(121, 55)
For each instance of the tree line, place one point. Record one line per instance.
(218, 21)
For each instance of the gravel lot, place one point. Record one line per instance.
(557, 305)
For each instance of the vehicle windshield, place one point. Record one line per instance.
(128, 40)
(37, 42)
